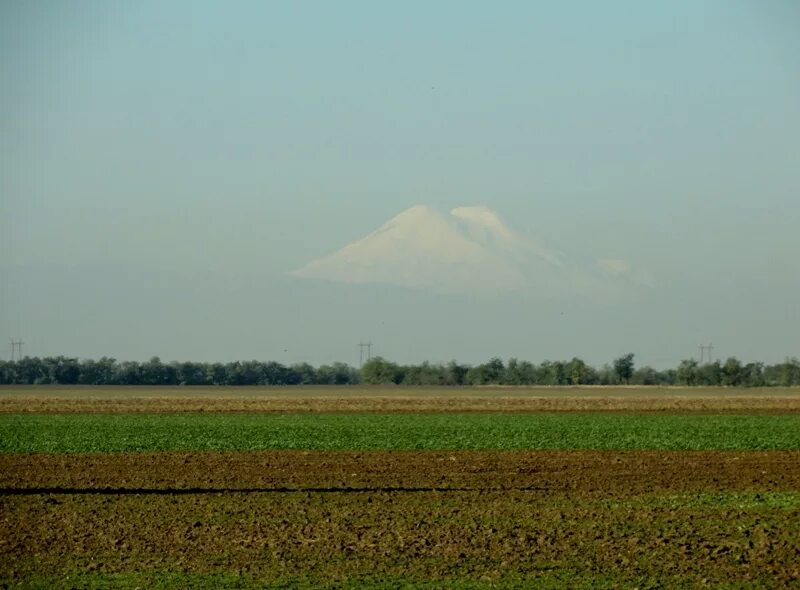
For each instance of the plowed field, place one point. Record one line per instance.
(401, 518)
(374, 399)
(579, 472)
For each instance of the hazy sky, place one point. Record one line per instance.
(164, 165)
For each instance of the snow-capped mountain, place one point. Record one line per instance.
(471, 250)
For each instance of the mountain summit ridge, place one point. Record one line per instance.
(471, 251)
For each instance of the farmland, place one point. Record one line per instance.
(78, 433)
(382, 487)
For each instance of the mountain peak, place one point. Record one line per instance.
(470, 251)
(417, 219)
(423, 248)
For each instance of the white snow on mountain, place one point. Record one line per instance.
(470, 251)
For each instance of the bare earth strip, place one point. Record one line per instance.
(99, 391)
(597, 473)
(435, 403)
(486, 539)
(522, 519)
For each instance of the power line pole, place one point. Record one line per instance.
(361, 347)
(703, 350)
(16, 347)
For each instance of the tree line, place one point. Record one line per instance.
(378, 371)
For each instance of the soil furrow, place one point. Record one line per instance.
(596, 472)
(398, 403)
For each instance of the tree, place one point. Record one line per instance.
(7, 373)
(732, 372)
(62, 370)
(553, 373)
(189, 373)
(753, 375)
(606, 375)
(709, 374)
(790, 372)
(488, 373)
(216, 374)
(623, 368)
(645, 376)
(379, 371)
(336, 374)
(304, 374)
(456, 374)
(153, 372)
(577, 371)
(128, 373)
(687, 372)
(519, 373)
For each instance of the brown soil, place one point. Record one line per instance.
(98, 403)
(668, 518)
(597, 473)
(489, 536)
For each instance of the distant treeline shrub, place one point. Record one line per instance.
(378, 371)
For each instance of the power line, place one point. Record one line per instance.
(703, 350)
(16, 347)
(361, 347)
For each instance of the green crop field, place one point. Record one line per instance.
(159, 432)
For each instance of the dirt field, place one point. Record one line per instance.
(439, 519)
(305, 391)
(614, 473)
(721, 403)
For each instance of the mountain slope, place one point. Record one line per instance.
(470, 251)
(466, 252)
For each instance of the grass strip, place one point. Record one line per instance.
(85, 433)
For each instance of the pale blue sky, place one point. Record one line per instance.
(164, 164)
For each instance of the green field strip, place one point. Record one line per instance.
(81, 433)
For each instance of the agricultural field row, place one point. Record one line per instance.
(579, 473)
(398, 489)
(113, 433)
(402, 391)
(664, 404)
(456, 540)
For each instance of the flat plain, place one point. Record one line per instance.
(395, 487)
(60, 399)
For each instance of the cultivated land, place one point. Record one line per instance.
(391, 487)
(144, 399)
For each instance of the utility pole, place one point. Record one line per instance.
(361, 347)
(703, 350)
(16, 347)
